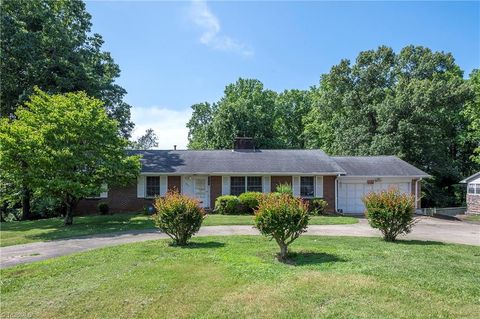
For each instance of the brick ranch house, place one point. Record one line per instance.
(473, 193)
(208, 174)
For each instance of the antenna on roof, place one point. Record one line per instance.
(174, 147)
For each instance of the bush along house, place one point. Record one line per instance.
(473, 193)
(208, 174)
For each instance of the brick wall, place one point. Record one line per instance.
(174, 183)
(120, 199)
(329, 192)
(215, 189)
(473, 204)
(276, 180)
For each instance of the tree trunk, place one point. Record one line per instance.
(283, 251)
(26, 209)
(69, 207)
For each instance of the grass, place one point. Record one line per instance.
(15, 233)
(473, 218)
(238, 277)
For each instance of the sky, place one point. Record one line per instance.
(175, 54)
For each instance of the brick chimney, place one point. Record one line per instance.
(243, 143)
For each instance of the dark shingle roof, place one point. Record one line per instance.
(377, 166)
(228, 161)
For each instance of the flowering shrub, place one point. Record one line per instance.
(390, 211)
(179, 216)
(283, 218)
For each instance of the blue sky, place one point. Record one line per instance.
(175, 54)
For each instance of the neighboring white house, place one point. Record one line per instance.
(473, 193)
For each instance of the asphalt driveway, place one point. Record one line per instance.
(427, 228)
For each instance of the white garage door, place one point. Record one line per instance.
(350, 193)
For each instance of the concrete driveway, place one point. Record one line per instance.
(427, 228)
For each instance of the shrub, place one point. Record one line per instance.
(283, 218)
(179, 216)
(227, 205)
(103, 208)
(390, 211)
(284, 189)
(249, 201)
(318, 206)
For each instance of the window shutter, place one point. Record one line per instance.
(266, 184)
(141, 181)
(163, 185)
(105, 193)
(225, 185)
(319, 186)
(296, 186)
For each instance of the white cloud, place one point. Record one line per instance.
(204, 19)
(168, 124)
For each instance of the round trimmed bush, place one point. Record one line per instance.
(103, 208)
(179, 216)
(318, 206)
(391, 212)
(227, 205)
(283, 218)
(249, 201)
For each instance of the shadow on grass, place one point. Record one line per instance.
(418, 242)
(208, 244)
(311, 258)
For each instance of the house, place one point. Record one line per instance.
(208, 174)
(473, 193)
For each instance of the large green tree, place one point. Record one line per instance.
(64, 146)
(49, 44)
(247, 109)
(472, 115)
(407, 104)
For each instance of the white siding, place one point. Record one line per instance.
(266, 188)
(163, 185)
(225, 185)
(296, 186)
(141, 183)
(318, 186)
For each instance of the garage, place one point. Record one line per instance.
(351, 191)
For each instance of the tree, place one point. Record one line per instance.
(147, 141)
(64, 145)
(472, 115)
(406, 104)
(48, 44)
(246, 110)
(282, 217)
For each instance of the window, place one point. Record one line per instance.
(307, 186)
(242, 184)
(254, 184)
(237, 185)
(153, 186)
(473, 189)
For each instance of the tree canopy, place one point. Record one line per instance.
(414, 104)
(66, 146)
(49, 44)
(146, 141)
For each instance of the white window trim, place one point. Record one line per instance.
(245, 189)
(314, 186)
(476, 189)
(163, 185)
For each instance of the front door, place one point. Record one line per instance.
(200, 190)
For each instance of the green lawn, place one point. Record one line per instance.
(473, 218)
(238, 277)
(14, 233)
